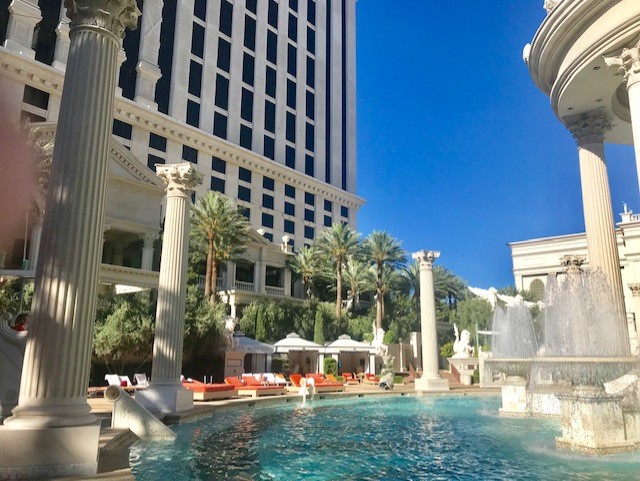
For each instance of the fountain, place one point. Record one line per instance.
(585, 347)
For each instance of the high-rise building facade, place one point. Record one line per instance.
(259, 94)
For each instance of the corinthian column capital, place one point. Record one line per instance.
(180, 179)
(589, 127)
(628, 63)
(111, 15)
(426, 258)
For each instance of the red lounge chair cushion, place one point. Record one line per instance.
(201, 387)
(318, 378)
(251, 381)
(295, 379)
(234, 381)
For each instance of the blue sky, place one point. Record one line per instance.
(458, 150)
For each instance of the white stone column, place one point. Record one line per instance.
(431, 379)
(629, 65)
(147, 70)
(589, 129)
(632, 323)
(23, 18)
(287, 282)
(118, 252)
(165, 393)
(147, 252)
(52, 432)
(34, 246)
(61, 53)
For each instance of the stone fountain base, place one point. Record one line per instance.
(593, 422)
(514, 397)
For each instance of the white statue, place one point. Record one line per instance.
(461, 347)
(229, 328)
(378, 341)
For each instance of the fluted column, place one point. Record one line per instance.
(147, 252)
(23, 18)
(52, 423)
(430, 379)
(165, 393)
(629, 65)
(147, 70)
(589, 129)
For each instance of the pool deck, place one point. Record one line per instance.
(113, 463)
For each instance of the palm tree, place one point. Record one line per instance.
(411, 284)
(336, 243)
(224, 230)
(357, 275)
(384, 252)
(449, 288)
(307, 264)
(390, 281)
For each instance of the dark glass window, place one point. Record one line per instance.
(328, 205)
(193, 113)
(195, 79)
(311, 110)
(290, 191)
(252, 5)
(310, 137)
(270, 87)
(220, 125)
(152, 160)
(218, 165)
(308, 232)
(35, 97)
(327, 221)
(122, 129)
(267, 220)
(246, 137)
(244, 174)
(291, 94)
(268, 236)
(311, 72)
(248, 63)
(309, 198)
(246, 105)
(309, 215)
(222, 92)
(269, 147)
(226, 17)
(224, 53)
(344, 211)
(273, 14)
(269, 116)
(189, 154)
(293, 28)
(157, 142)
(245, 211)
(291, 127)
(292, 66)
(268, 183)
(250, 32)
(311, 11)
(293, 5)
(244, 193)
(200, 9)
(267, 201)
(290, 157)
(311, 40)
(272, 47)
(309, 165)
(197, 40)
(289, 226)
(217, 184)
(289, 208)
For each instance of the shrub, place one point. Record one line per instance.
(446, 350)
(476, 376)
(330, 366)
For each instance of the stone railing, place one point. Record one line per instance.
(274, 291)
(244, 286)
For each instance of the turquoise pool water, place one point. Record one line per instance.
(386, 438)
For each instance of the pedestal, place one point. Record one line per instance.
(165, 399)
(431, 384)
(514, 397)
(592, 422)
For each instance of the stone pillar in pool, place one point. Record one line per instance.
(589, 129)
(430, 379)
(52, 432)
(165, 394)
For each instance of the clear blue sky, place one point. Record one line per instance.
(458, 151)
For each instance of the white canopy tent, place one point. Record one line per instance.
(304, 356)
(247, 355)
(352, 355)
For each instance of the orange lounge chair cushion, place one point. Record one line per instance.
(234, 381)
(251, 381)
(202, 387)
(295, 379)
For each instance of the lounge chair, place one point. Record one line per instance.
(349, 378)
(141, 380)
(209, 392)
(370, 379)
(322, 384)
(244, 389)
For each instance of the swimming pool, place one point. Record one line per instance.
(374, 438)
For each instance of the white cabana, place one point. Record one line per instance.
(304, 356)
(247, 355)
(352, 355)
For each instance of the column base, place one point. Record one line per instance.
(49, 452)
(514, 397)
(432, 384)
(165, 399)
